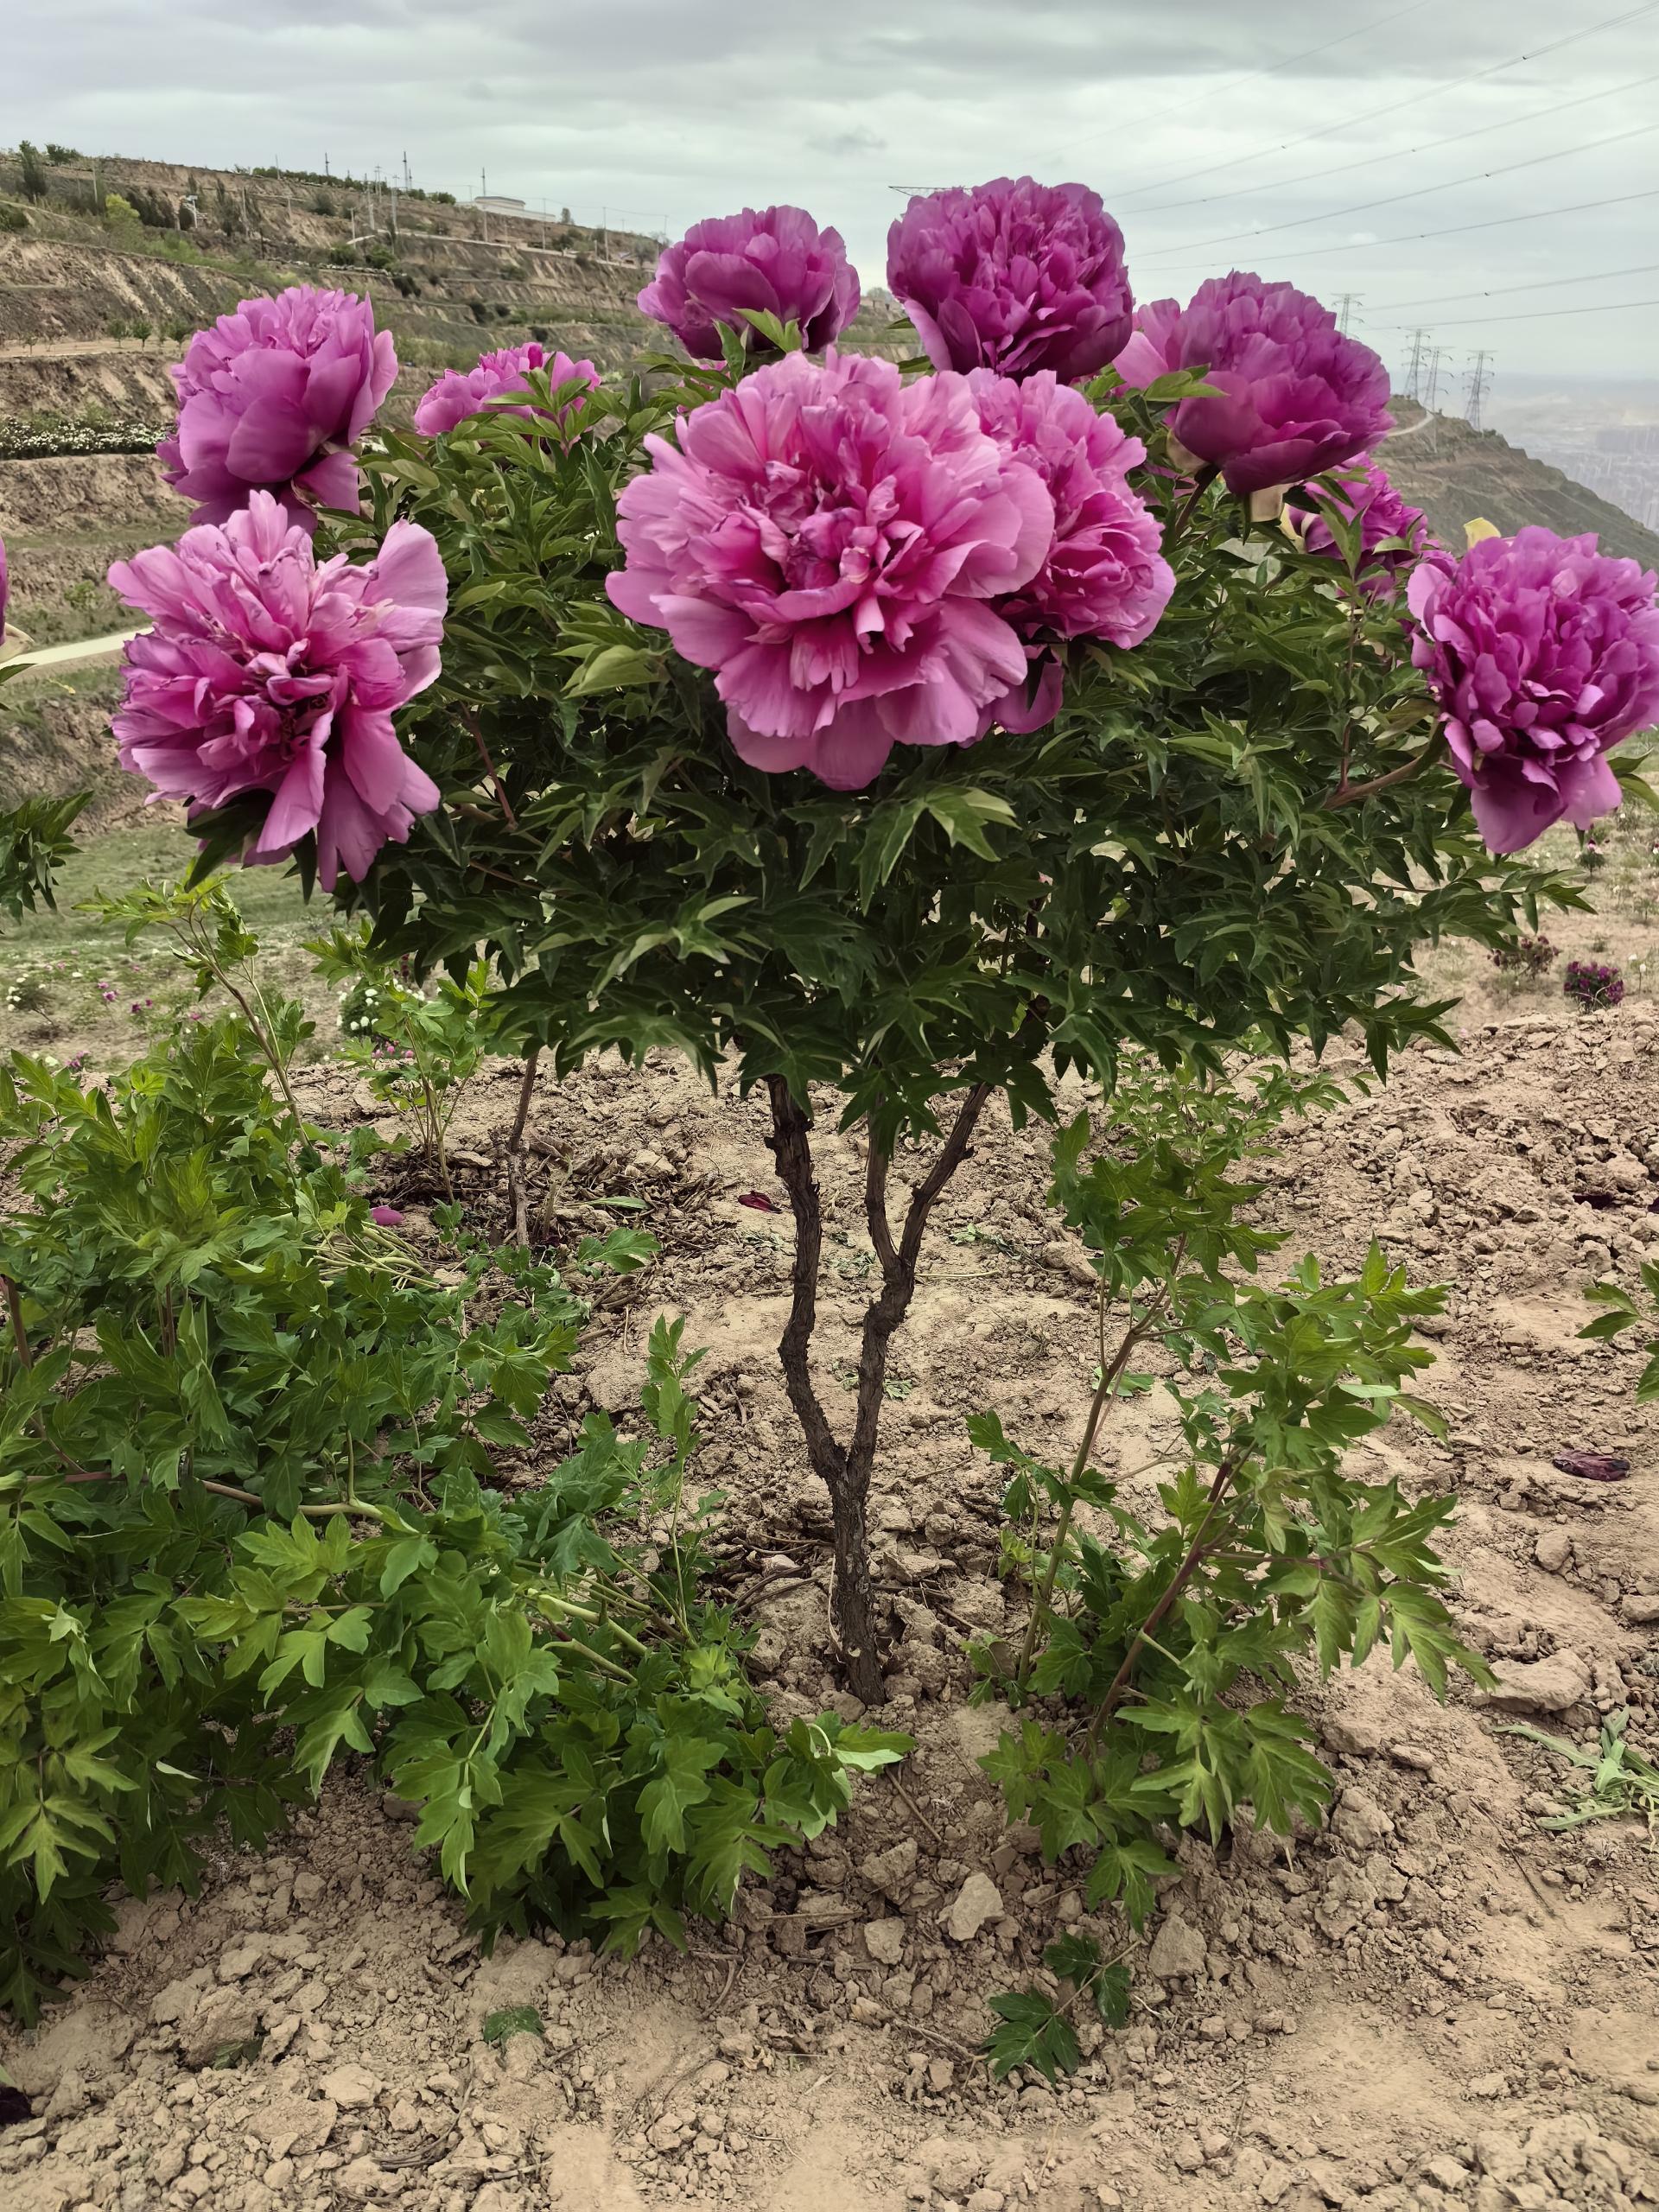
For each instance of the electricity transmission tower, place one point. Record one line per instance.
(1414, 365)
(1431, 384)
(1479, 382)
(1345, 307)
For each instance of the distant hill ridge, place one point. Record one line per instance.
(1454, 474)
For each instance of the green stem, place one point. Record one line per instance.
(1206, 476)
(552, 1601)
(1110, 1375)
(1177, 1582)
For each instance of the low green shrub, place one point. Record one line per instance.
(1153, 1679)
(252, 1523)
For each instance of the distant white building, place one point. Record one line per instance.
(499, 203)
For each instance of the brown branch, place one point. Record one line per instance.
(875, 1204)
(15, 1309)
(469, 716)
(887, 1309)
(516, 1135)
(792, 1150)
(1347, 794)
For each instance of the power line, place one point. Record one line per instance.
(1537, 314)
(1401, 152)
(1205, 98)
(1491, 223)
(1393, 107)
(1538, 284)
(1394, 198)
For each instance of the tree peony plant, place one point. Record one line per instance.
(1543, 654)
(272, 399)
(497, 381)
(1290, 394)
(717, 739)
(775, 262)
(270, 679)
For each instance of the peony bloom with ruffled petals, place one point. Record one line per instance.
(1543, 654)
(1366, 491)
(828, 539)
(490, 382)
(272, 399)
(774, 260)
(1294, 396)
(1104, 575)
(267, 670)
(1013, 276)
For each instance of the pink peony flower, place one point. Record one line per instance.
(1543, 654)
(1294, 396)
(386, 1216)
(1104, 575)
(1013, 276)
(460, 392)
(774, 258)
(272, 399)
(1367, 492)
(826, 539)
(269, 671)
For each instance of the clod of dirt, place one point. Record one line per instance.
(977, 1901)
(893, 1872)
(1551, 1685)
(1177, 1951)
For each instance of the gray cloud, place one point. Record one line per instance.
(657, 112)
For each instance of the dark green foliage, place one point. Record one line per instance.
(1623, 1312)
(1184, 861)
(34, 842)
(1036, 2030)
(31, 172)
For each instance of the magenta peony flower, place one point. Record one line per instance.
(1104, 575)
(1294, 396)
(1543, 654)
(1013, 276)
(386, 1216)
(460, 392)
(826, 539)
(1367, 492)
(774, 258)
(269, 671)
(272, 398)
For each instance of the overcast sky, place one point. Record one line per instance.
(1201, 121)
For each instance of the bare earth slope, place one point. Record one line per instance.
(1433, 2003)
(1455, 473)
